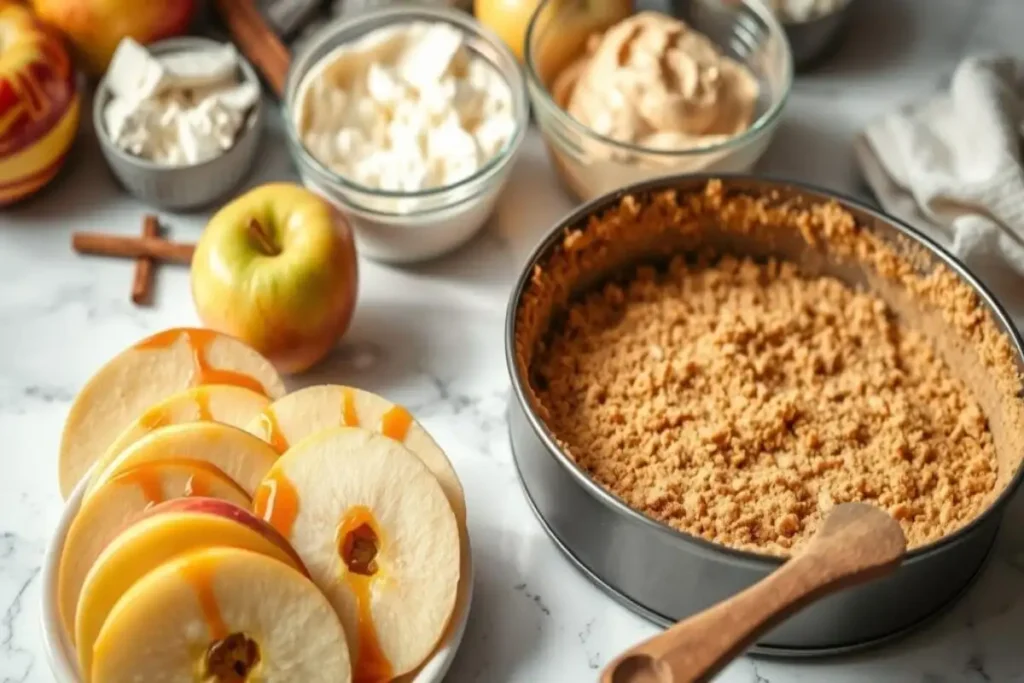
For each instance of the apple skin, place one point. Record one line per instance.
(227, 509)
(95, 27)
(276, 268)
(507, 18)
(39, 103)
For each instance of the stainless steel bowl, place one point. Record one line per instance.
(810, 42)
(182, 187)
(666, 575)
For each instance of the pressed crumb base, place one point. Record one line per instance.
(739, 401)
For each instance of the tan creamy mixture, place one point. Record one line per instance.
(740, 401)
(653, 81)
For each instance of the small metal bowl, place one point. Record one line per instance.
(810, 41)
(182, 187)
(666, 575)
(816, 39)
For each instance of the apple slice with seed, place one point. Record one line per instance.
(238, 454)
(120, 502)
(375, 530)
(222, 614)
(148, 372)
(167, 531)
(307, 411)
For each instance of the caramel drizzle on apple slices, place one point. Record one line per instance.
(154, 419)
(371, 665)
(395, 423)
(277, 502)
(271, 431)
(349, 417)
(199, 573)
(145, 477)
(199, 341)
(203, 405)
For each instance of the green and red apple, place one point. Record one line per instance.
(276, 268)
(39, 103)
(95, 27)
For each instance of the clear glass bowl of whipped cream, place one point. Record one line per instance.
(622, 94)
(408, 119)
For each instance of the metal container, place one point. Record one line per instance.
(810, 42)
(183, 187)
(665, 575)
(815, 40)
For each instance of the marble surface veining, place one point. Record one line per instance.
(431, 337)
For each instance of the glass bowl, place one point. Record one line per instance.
(591, 164)
(405, 227)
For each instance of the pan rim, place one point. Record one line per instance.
(696, 180)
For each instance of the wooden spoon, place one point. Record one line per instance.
(857, 543)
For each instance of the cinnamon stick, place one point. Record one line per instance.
(142, 284)
(257, 41)
(132, 247)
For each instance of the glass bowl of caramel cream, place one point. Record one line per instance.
(622, 94)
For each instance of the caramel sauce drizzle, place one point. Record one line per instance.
(154, 419)
(270, 431)
(395, 423)
(146, 478)
(277, 502)
(349, 417)
(199, 573)
(371, 665)
(203, 405)
(199, 341)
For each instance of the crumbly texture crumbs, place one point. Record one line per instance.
(739, 401)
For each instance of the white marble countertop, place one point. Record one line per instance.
(431, 337)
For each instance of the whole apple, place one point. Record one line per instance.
(95, 27)
(39, 103)
(276, 268)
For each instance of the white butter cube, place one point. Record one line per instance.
(200, 68)
(426, 58)
(382, 87)
(134, 74)
(238, 98)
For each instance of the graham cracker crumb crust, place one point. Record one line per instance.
(739, 400)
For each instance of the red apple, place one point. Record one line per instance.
(95, 27)
(39, 103)
(276, 268)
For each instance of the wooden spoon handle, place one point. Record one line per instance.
(856, 544)
(257, 41)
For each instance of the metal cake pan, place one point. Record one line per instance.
(666, 575)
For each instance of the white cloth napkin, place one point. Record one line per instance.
(951, 167)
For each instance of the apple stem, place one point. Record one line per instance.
(262, 239)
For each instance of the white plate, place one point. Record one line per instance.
(64, 663)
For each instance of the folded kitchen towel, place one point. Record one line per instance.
(951, 167)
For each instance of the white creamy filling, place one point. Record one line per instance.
(180, 109)
(405, 108)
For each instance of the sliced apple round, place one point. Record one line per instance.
(375, 530)
(167, 531)
(235, 452)
(120, 502)
(302, 413)
(148, 372)
(222, 614)
(232, 405)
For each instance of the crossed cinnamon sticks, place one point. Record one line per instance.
(147, 250)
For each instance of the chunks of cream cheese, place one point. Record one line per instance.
(177, 109)
(405, 108)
